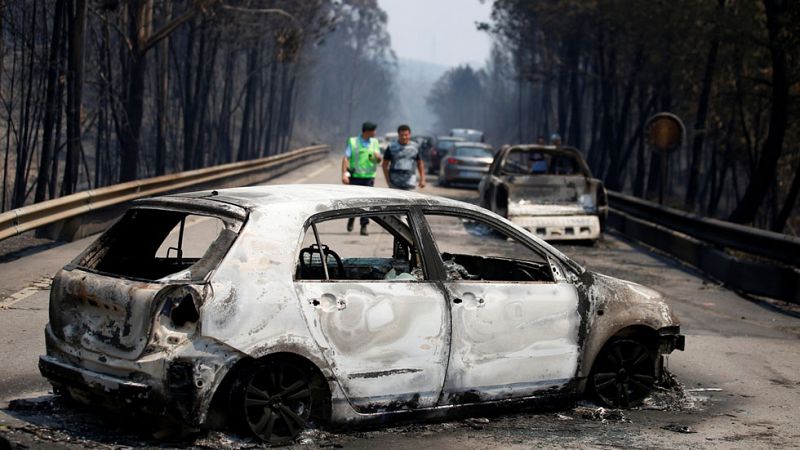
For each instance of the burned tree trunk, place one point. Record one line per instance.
(747, 208)
(77, 29)
(54, 66)
(700, 121)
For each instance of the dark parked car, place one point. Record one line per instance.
(465, 163)
(443, 145)
(425, 144)
(547, 190)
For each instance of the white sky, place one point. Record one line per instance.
(439, 31)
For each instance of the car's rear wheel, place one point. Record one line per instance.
(624, 373)
(273, 400)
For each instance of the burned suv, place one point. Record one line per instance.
(256, 307)
(547, 190)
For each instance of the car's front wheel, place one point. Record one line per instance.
(274, 400)
(624, 373)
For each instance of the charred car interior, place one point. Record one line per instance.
(326, 240)
(148, 244)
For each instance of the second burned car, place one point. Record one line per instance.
(547, 190)
(252, 306)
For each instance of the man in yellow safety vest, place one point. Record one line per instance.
(360, 164)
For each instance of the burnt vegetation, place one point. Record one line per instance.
(595, 71)
(97, 92)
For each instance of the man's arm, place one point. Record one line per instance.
(421, 170)
(345, 166)
(385, 167)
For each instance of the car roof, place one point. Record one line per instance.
(545, 149)
(285, 204)
(473, 144)
(313, 198)
(552, 150)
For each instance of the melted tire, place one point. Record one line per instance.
(624, 373)
(275, 400)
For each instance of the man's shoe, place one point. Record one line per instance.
(349, 226)
(364, 230)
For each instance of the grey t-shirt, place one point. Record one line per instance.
(402, 164)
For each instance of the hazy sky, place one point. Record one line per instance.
(440, 31)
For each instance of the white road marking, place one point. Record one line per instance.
(42, 284)
(312, 174)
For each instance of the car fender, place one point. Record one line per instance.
(612, 305)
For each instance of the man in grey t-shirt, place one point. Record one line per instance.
(402, 160)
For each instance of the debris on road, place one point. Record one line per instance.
(686, 429)
(600, 414)
(476, 423)
(671, 395)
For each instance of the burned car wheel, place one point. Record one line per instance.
(624, 373)
(273, 400)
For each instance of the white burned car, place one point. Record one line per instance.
(547, 190)
(217, 306)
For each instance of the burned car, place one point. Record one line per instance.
(547, 190)
(254, 307)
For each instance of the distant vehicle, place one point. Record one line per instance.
(443, 145)
(386, 140)
(425, 144)
(547, 190)
(466, 162)
(467, 134)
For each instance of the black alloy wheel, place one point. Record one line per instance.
(274, 401)
(624, 373)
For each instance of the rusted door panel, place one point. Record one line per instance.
(510, 340)
(387, 342)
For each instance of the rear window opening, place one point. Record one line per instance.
(158, 244)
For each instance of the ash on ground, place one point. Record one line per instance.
(671, 395)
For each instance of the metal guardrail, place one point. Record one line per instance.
(30, 217)
(702, 243)
(776, 246)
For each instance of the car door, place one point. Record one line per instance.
(515, 320)
(382, 325)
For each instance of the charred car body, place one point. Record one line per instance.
(547, 190)
(281, 320)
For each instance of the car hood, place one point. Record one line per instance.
(621, 296)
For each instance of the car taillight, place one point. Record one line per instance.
(452, 161)
(180, 306)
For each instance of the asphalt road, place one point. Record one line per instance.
(739, 376)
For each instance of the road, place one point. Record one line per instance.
(739, 376)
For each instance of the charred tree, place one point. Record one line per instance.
(52, 102)
(753, 198)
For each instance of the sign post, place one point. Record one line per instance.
(665, 133)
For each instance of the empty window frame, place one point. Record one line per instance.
(476, 250)
(159, 244)
(388, 253)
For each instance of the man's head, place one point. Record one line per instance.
(555, 139)
(403, 134)
(368, 130)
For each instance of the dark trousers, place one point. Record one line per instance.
(360, 182)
